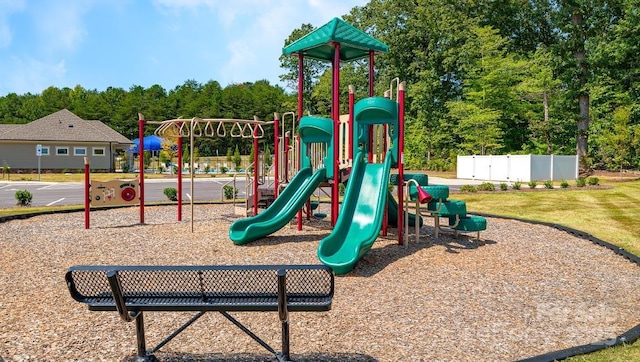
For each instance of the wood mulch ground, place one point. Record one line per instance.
(521, 291)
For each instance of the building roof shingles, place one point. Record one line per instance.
(62, 126)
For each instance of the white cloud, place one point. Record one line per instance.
(241, 58)
(60, 25)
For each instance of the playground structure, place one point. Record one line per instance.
(360, 148)
(363, 152)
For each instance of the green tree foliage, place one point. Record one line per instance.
(229, 156)
(312, 69)
(268, 159)
(510, 76)
(237, 159)
(119, 108)
(488, 108)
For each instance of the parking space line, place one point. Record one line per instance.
(55, 202)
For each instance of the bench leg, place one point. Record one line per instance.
(142, 355)
(283, 313)
(285, 340)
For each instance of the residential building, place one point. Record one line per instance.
(60, 141)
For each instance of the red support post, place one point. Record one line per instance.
(371, 92)
(179, 175)
(300, 110)
(401, 87)
(351, 105)
(335, 108)
(276, 173)
(141, 123)
(87, 197)
(371, 72)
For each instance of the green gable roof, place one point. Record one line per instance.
(354, 43)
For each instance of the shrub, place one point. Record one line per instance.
(341, 188)
(24, 197)
(207, 169)
(125, 167)
(564, 184)
(468, 188)
(593, 181)
(581, 182)
(503, 186)
(486, 186)
(223, 169)
(516, 185)
(548, 184)
(229, 191)
(171, 193)
(532, 184)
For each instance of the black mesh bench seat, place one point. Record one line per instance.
(132, 290)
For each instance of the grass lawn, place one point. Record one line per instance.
(611, 214)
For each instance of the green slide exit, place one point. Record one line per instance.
(283, 209)
(360, 217)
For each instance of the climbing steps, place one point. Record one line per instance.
(454, 210)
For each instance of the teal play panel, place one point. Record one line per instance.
(376, 110)
(437, 192)
(468, 223)
(448, 208)
(314, 129)
(421, 178)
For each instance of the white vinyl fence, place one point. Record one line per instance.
(523, 168)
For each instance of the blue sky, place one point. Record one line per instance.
(121, 43)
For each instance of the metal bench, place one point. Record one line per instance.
(132, 290)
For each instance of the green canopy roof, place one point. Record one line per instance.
(354, 43)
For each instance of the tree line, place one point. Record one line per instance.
(502, 76)
(483, 77)
(119, 108)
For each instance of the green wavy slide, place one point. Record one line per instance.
(360, 216)
(283, 209)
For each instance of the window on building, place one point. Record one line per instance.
(99, 151)
(79, 151)
(62, 151)
(45, 150)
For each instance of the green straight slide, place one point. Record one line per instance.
(283, 209)
(360, 216)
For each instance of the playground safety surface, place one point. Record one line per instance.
(523, 290)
